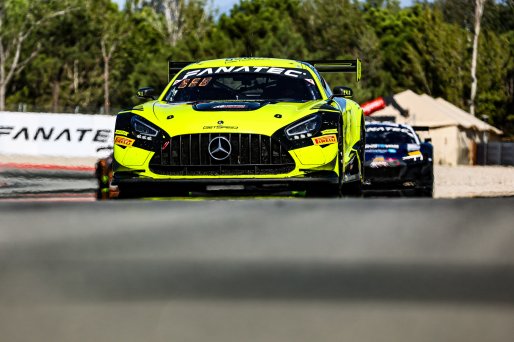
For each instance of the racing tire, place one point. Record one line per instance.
(362, 149)
(426, 192)
(126, 192)
(354, 189)
(325, 191)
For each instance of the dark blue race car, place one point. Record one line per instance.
(396, 159)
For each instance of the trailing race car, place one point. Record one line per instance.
(247, 124)
(396, 159)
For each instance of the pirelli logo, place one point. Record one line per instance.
(326, 139)
(123, 141)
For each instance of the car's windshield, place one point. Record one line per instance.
(389, 135)
(244, 86)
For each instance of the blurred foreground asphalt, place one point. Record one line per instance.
(386, 269)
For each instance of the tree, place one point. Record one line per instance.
(171, 17)
(426, 47)
(19, 19)
(174, 21)
(479, 9)
(114, 29)
(265, 28)
(332, 28)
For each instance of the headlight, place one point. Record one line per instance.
(143, 128)
(304, 129)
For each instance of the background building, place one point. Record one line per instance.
(454, 132)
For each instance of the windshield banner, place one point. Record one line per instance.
(205, 72)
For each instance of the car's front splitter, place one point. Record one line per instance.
(172, 185)
(402, 176)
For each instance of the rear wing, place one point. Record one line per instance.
(421, 128)
(338, 65)
(425, 136)
(175, 67)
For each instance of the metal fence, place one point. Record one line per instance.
(23, 107)
(495, 153)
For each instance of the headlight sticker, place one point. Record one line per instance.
(329, 131)
(120, 132)
(325, 139)
(123, 141)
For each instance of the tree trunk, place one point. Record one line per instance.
(479, 9)
(56, 91)
(107, 103)
(173, 19)
(75, 76)
(2, 96)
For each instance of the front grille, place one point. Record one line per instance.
(390, 173)
(251, 154)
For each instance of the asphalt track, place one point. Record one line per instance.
(385, 269)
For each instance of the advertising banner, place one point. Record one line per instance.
(60, 135)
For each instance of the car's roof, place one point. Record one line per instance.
(248, 61)
(387, 124)
(393, 124)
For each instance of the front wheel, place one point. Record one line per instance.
(324, 191)
(426, 192)
(353, 189)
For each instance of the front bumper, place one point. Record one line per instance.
(300, 162)
(165, 186)
(417, 175)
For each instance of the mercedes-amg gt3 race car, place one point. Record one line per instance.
(396, 159)
(242, 124)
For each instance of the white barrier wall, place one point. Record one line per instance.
(60, 135)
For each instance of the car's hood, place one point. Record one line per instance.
(234, 116)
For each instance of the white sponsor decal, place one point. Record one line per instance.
(230, 106)
(387, 129)
(413, 147)
(370, 146)
(224, 69)
(372, 128)
(295, 73)
(66, 135)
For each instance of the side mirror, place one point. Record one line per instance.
(342, 92)
(146, 93)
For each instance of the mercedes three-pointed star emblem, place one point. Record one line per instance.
(220, 148)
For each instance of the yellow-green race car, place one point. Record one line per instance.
(245, 125)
